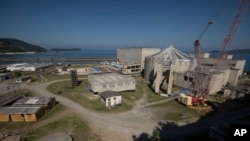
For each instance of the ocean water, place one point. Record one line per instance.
(67, 54)
(103, 54)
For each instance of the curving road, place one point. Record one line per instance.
(119, 126)
(122, 126)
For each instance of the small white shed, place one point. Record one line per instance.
(111, 98)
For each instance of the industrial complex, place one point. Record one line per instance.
(172, 68)
(164, 91)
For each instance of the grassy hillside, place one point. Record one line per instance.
(14, 45)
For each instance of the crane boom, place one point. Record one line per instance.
(242, 8)
(204, 82)
(199, 85)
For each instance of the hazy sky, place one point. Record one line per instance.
(111, 24)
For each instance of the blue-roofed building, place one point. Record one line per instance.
(95, 70)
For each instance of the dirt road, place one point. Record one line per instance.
(123, 126)
(109, 126)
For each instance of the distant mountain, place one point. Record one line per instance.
(234, 51)
(14, 45)
(65, 49)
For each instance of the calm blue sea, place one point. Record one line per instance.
(103, 53)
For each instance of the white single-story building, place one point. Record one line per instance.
(27, 67)
(111, 98)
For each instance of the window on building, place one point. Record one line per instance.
(114, 98)
(190, 79)
(185, 78)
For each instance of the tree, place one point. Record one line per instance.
(156, 135)
(17, 74)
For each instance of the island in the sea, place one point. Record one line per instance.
(65, 49)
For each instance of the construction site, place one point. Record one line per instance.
(166, 92)
(170, 70)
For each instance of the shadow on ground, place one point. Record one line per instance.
(199, 130)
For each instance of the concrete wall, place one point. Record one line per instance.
(240, 64)
(112, 101)
(148, 52)
(129, 55)
(183, 80)
(233, 77)
(183, 66)
(135, 55)
(219, 82)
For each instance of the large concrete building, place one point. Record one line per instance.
(133, 59)
(172, 67)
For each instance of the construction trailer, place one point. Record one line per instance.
(111, 82)
(185, 99)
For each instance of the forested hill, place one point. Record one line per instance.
(14, 45)
(234, 51)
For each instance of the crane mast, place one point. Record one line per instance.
(241, 11)
(198, 84)
(203, 82)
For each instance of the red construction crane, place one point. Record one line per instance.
(199, 85)
(203, 82)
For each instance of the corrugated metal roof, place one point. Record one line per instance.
(108, 94)
(109, 78)
(19, 110)
(34, 100)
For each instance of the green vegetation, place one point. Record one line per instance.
(81, 95)
(247, 82)
(16, 74)
(66, 124)
(46, 75)
(55, 110)
(134, 95)
(172, 110)
(151, 96)
(14, 45)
